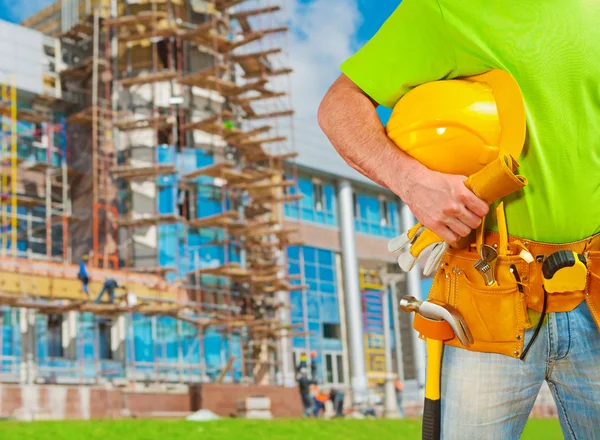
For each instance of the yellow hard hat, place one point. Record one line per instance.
(458, 126)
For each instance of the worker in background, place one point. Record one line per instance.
(109, 287)
(399, 386)
(319, 399)
(83, 276)
(304, 386)
(313, 364)
(337, 398)
(552, 51)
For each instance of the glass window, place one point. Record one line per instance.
(326, 274)
(340, 368)
(166, 202)
(376, 216)
(330, 308)
(325, 257)
(329, 371)
(309, 254)
(310, 271)
(54, 335)
(319, 197)
(317, 205)
(385, 213)
(332, 331)
(104, 343)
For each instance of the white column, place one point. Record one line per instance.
(414, 289)
(352, 293)
(391, 404)
(397, 334)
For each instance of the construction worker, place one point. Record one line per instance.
(399, 387)
(304, 386)
(83, 276)
(109, 287)
(551, 51)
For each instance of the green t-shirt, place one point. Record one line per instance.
(552, 48)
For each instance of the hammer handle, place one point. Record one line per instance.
(432, 407)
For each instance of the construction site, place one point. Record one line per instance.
(157, 152)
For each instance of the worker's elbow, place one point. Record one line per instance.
(324, 112)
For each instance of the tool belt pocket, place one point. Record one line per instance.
(593, 286)
(494, 314)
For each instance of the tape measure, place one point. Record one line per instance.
(564, 271)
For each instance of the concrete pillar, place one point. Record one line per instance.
(391, 404)
(117, 339)
(287, 369)
(69, 335)
(397, 334)
(27, 327)
(352, 293)
(414, 289)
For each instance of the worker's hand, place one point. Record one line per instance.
(443, 203)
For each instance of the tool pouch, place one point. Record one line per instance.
(496, 315)
(592, 293)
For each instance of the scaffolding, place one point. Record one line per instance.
(34, 191)
(189, 99)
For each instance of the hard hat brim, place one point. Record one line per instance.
(511, 109)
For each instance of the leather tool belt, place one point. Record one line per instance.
(498, 315)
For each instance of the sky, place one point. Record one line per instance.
(323, 34)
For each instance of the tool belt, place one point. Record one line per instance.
(498, 315)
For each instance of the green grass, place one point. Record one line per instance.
(239, 430)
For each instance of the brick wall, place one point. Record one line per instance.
(73, 402)
(222, 399)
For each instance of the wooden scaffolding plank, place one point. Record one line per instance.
(127, 172)
(238, 138)
(223, 86)
(276, 114)
(275, 30)
(80, 70)
(223, 5)
(197, 31)
(281, 199)
(278, 232)
(129, 222)
(284, 156)
(214, 170)
(259, 186)
(148, 78)
(137, 35)
(232, 270)
(81, 31)
(260, 54)
(213, 125)
(134, 20)
(247, 100)
(221, 220)
(159, 122)
(258, 142)
(259, 73)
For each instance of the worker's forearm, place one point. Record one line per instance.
(349, 119)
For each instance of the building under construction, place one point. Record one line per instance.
(153, 145)
(147, 152)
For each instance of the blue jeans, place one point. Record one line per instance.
(489, 396)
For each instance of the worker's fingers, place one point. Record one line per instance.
(472, 202)
(468, 218)
(458, 227)
(443, 231)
